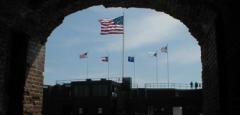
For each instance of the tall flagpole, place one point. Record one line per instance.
(87, 68)
(134, 72)
(108, 67)
(123, 49)
(168, 67)
(157, 69)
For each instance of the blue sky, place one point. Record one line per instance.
(146, 31)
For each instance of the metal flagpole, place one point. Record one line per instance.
(108, 67)
(87, 67)
(167, 67)
(157, 69)
(123, 49)
(134, 72)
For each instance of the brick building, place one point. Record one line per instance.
(106, 97)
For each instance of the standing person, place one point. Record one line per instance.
(191, 84)
(196, 85)
(200, 85)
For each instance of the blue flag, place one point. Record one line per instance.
(130, 59)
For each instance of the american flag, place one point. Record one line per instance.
(112, 26)
(164, 49)
(83, 55)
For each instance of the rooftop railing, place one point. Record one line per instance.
(172, 86)
(135, 85)
(115, 79)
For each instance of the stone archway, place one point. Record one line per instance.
(37, 19)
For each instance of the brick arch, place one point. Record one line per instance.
(38, 19)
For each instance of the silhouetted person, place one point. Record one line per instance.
(200, 85)
(191, 84)
(196, 85)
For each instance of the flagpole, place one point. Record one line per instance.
(108, 67)
(168, 68)
(87, 68)
(123, 48)
(134, 72)
(157, 69)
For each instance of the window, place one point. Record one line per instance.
(100, 110)
(80, 110)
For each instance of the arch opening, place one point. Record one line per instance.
(96, 42)
(39, 22)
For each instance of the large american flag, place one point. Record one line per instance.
(112, 26)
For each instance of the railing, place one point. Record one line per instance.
(134, 85)
(115, 79)
(172, 86)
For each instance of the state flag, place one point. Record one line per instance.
(104, 59)
(130, 59)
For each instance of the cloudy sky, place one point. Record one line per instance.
(145, 31)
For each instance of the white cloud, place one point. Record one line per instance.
(101, 9)
(73, 41)
(185, 55)
(143, 31)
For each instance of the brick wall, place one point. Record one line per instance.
(210, 75)
(4, 56)
(33, 89)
